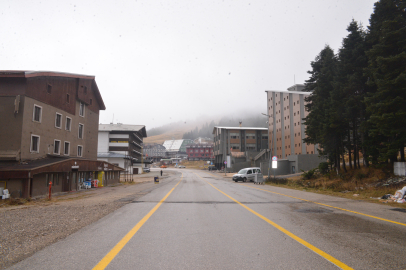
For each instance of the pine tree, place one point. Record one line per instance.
(323, 121)
(351, 82)
(387, 74)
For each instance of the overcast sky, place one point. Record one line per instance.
(158, 62)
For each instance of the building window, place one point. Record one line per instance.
(58, 120)
(57, 147)
(80, 148)
(37, 114)
(66, 149)
(82, 109)
(34, 148)
(68, 123)
(85, 90)
(49, 89)
(80, 135)
(67, 98)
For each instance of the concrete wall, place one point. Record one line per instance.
(103, 142)
(283, 168)
(11, 124)
(238, 166)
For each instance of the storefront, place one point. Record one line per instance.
(32, 179)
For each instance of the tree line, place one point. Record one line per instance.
(357, 101)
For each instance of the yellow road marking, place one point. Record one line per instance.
(298, 239)
(343, 209)
(113, 253)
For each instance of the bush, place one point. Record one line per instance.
(309, 174)
(323, 168)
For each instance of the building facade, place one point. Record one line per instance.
(286, 110)
(229, 140)
(200, 151)
(122, 145)
(154, 151)
(50, 122)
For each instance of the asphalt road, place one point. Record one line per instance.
(199, 220)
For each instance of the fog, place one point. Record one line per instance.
(158, 62)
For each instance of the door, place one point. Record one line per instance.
(65, 182)
(73, 181)
(135, 170)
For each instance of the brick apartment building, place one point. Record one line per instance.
(200, 151)
(50, 125)
(287, 131)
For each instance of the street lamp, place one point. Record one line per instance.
(270, 154)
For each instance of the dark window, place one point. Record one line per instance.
(37, 113)
(67, 98)
(66, 150)
(58, 120)
(34, 143)
(68, 123)
(85, 90)
(49, 89)
(91, 101)
(80, 148)
(80, 131)
(82, 109)
(57, 145)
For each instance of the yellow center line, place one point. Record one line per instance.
(113, 253)
(298, 239)
(343, 209)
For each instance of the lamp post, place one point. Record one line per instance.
(270, 154)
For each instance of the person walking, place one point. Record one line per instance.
(161, 172)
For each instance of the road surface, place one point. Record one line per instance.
(200, 220)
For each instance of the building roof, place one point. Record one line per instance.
(173, 145)
(123, 127)
(38, 73)
(240, 128)
(290, 92)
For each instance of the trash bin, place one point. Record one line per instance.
(259, 179)
(156, 180)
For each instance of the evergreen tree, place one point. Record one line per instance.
(387, 78)
(323, 124)
(351, 84)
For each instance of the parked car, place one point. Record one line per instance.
(163, 166)
(181, 166)
(246, 174)
(212, 168)
(146, 169)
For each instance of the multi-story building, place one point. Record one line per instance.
(122, 145)
(200, 151)
(238, 139)
(154, 151)
(49, 132)
(286, 110)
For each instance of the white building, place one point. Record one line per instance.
(121, 145)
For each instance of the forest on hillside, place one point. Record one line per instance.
(207, 129)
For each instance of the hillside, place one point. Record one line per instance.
(169, 135)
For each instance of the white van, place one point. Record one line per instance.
(247, 174)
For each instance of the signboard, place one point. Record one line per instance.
(274, 164)
(228, 162)
(274, 158)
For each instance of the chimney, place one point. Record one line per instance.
(240, 123)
